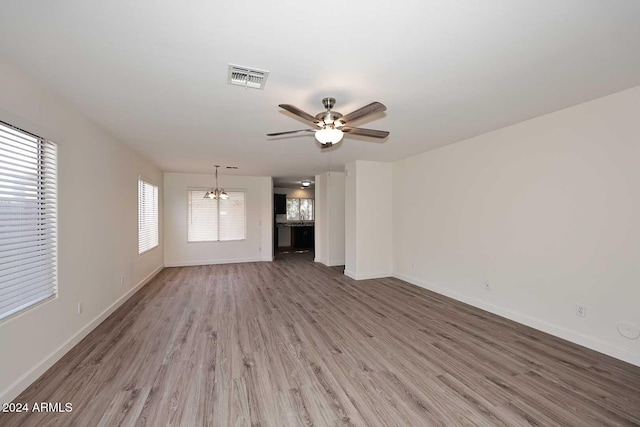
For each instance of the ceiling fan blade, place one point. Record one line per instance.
(361, 112)
(365, 132)
(291, 131)
(298, 112)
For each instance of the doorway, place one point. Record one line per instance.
(294, 218)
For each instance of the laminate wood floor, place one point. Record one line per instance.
(293, 343)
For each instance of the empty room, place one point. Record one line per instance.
(334, 214)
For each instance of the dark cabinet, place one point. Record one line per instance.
(302, 237)
(280, 204)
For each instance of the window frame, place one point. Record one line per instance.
(157, 219)
(46, 171)
(217, 202)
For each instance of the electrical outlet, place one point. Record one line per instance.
(413, 265)
(121, 280)
(581, 310)
(80, 307)
(486, 285)
(259, 248)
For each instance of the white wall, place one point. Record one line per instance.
(350, 223)
(321, 222)
(545, 210)
(335, 218)
(259, 207)
(97, 234)
(329, 226)
(284, 233)
(368, 220)
(295, 193)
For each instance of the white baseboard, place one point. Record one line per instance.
(367, 276)
(32, 375)
(533, 322)
(217, 261)
(328, 264)
(350, 274)
(380, 275)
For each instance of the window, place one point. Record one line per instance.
(28, 220)
(211, 220)
(299, 209)
(147, 216)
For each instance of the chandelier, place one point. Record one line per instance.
(217, 192)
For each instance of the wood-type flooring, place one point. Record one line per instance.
(294, 343)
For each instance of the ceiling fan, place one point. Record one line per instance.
(331, 125)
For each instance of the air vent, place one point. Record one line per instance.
(247, 77)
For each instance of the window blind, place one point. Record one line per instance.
(28, 220)
(147, 216)
(232, 218)
(202, 217)
(210, 220)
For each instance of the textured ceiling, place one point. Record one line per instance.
(153, 73)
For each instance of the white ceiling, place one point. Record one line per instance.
(154, 73)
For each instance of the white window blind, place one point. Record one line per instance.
(202, 216)
(210, 220)
(232, 218)
(147, 216)
(28, 220)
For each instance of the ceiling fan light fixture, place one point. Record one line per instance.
(332, 125)
(329, 135)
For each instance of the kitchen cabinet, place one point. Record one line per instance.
(302, 237)
(280, 204)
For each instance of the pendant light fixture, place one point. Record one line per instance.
(217, 192)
